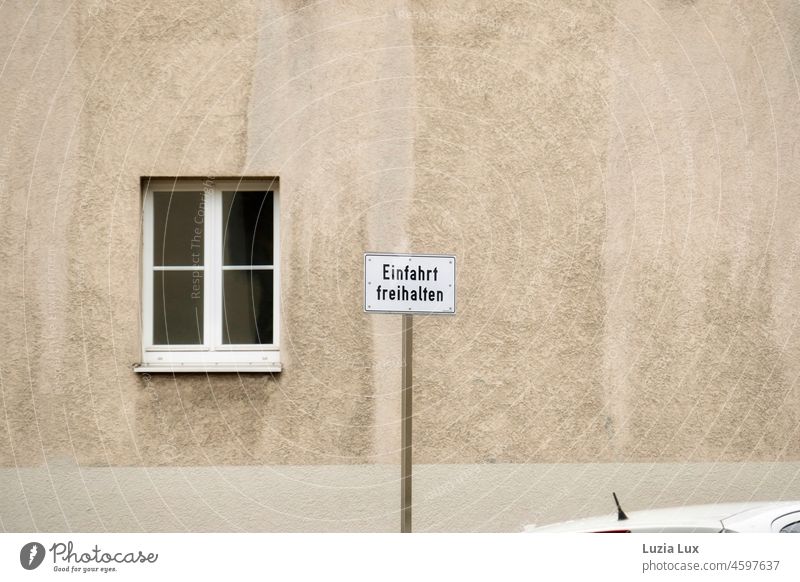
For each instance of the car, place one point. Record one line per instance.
(749, 517)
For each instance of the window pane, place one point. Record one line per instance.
(247, 224)
(177, 307)
(247, 307)
(792, 528)
(179, 218)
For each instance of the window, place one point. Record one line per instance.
(210, 276)
(791, 528)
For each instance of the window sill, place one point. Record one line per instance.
(179, 367)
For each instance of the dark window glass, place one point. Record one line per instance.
(178, 228)
(247, 307)
(791, 528)
(177, 307)
(247, 227)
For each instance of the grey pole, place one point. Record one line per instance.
(405, 430)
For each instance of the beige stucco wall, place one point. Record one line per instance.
(619, 180)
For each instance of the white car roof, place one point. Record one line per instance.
(701, 518)
(759, 519)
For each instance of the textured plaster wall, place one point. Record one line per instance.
(328, 498)
(618, 178)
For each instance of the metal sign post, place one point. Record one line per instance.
(405, 427)
(408, 284)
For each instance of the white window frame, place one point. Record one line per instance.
(212, 355)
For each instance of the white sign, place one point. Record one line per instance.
(409, 283)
